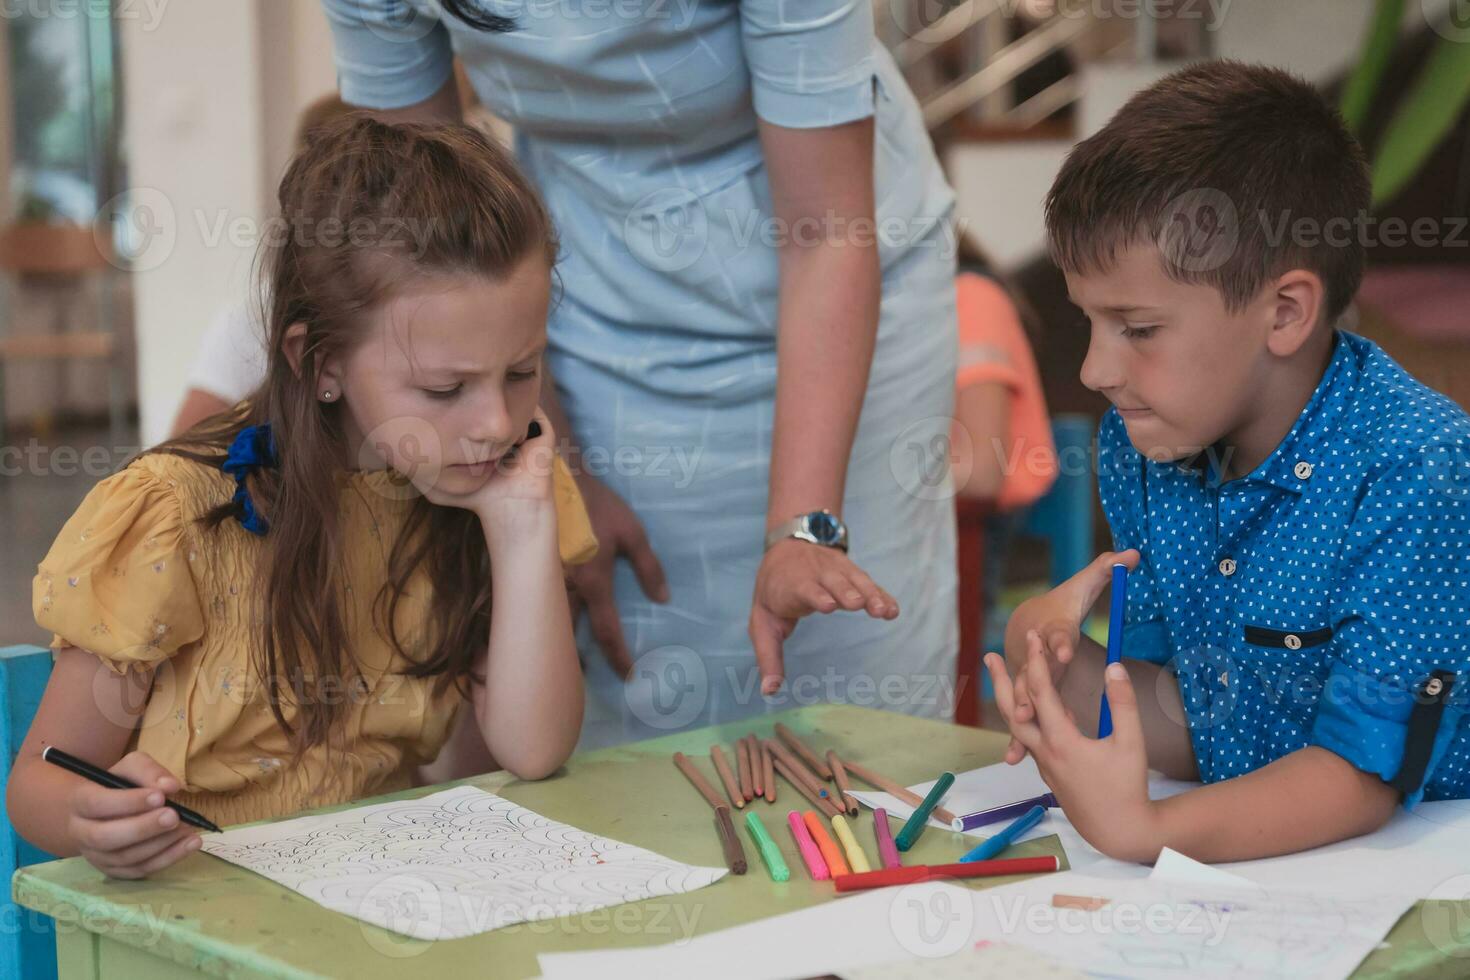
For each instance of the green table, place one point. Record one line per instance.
(205, 916)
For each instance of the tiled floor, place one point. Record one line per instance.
(41, 483)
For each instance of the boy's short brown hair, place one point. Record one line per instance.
(1238, 173)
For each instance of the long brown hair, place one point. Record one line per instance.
(363, 206)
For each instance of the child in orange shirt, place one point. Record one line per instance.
(1003, 451)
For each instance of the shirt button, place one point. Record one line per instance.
(1227, 567)
(1303, 470)
(1293, 642)
(1225, 678)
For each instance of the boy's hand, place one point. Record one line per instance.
(1102, 784)
(1058, 634)
(130, 833)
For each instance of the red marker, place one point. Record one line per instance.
(931, 872)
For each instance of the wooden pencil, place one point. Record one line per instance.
(803, 750)
(757, 768)
(783, 754)
(742, 757)
(893, 789)
(729, 843)
(770, 775)
(727, 777)
(801, 787)
(844, 788)
(697, 779)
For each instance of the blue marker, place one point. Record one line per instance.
(1115, 643)
(1006, 837)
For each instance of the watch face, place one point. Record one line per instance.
(824, 528)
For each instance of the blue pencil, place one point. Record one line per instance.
(1115, 643)
(1006, 837)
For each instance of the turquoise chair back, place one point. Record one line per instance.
(1063, 518)
(27, 939)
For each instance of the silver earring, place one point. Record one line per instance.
(328, 395)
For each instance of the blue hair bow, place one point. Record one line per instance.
(255, 446)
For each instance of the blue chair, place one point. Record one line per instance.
(28, 941)
(1063, 518)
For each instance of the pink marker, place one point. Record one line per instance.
(808, 847)
(887, 849)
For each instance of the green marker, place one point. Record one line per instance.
(770, 853)
(909, 835)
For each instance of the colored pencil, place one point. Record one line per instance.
(717, 755)
(803, 750)
(699, 782)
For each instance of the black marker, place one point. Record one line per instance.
(111, 780)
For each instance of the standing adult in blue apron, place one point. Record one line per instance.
(753, 346)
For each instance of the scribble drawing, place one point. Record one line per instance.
(452, 864)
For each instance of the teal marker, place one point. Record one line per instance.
(770, 853)
(909, 835)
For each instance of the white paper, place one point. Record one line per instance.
(1173, 866)
(1160, 928)
(1149, 928)
(1421, 853)
(862, 929)
(451, 864)
(985, 960)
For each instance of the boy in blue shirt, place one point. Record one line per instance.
(1293, 506)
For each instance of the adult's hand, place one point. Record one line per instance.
(620, 534)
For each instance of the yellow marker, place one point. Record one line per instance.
(855, 855)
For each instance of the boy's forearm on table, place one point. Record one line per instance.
(1307, 799)
(533, 680)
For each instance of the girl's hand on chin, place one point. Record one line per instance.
(517, 498)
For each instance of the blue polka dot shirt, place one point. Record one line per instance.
(1322, 599)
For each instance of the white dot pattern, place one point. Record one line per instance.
(1307, 602)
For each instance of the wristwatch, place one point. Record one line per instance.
(819, 527)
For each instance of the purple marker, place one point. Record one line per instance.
(995, 814)
(887, 849)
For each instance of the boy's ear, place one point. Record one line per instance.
(1299, 301)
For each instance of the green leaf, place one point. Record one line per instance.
(1426, 116)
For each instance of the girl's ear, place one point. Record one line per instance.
(293, 345)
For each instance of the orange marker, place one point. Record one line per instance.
(831, 853)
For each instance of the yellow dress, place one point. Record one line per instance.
(136, 580)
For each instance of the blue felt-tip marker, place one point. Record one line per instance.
(1115, 643)
(1006, 837)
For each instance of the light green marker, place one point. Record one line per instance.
(770, 853)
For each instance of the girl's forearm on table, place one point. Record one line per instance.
(530, 706)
